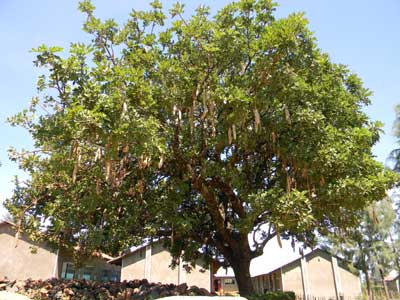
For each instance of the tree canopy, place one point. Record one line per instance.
(201, 131)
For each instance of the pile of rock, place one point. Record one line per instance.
(58, 289)
(6, 284)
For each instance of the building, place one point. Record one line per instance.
(94, 268)
(22, 259)
(315, 274)
(392, 283)
(152, 261)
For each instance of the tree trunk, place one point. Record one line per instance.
(239, 258)
(384, 284)
(232, 244)
(241, 267)
(368, 282)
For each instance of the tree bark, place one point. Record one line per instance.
(384, 284)
(234, 245)
(241, 267)
(368, 282)
(239, 258)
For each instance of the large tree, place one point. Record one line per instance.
(202, 131)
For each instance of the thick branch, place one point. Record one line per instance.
(213, 207)
(228, 191)
(260, 245)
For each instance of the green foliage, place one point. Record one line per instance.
(278, 295)
(201, 132)
(368, 246)
(395, 154)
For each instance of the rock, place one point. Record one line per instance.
(165, 294)
(19, 285)
(137, 297)
(181, 289)
(194, 290)
(59, 289)
(155, 293)
(69, 292)
(204, 292)
(12, 296)
(203, 298)
(58, 295)
(144, 282)
(12, 289)
(129, 291)
(143, 293)
(44, 292)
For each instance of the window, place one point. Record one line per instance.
(68, 271)
(88, 273)
(106, 275)
(110, 275)
(229, 281)
(114, 276)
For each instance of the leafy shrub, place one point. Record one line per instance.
(278, 295)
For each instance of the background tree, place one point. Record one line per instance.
(202, 132)
(394, 159)
(368, 246)
(394, 156)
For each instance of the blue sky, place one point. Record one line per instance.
(361, 34)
